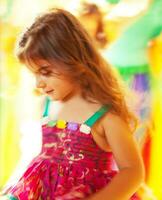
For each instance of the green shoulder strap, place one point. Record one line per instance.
(46, 109)
(97, 115)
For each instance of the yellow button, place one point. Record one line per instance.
(61, 124)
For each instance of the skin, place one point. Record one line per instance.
(47, 78)
(128, 159)
(111, 133)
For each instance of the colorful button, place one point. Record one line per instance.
(72, 126)
(52, 123)
(85, 129)
(61, 124)
(45, 120)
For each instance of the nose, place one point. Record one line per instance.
(40, 83)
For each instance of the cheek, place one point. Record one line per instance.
(66, 87)
(61, 85)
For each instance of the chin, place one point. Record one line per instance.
(62, 98)
(55, 98)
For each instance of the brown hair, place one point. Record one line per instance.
(58, 37)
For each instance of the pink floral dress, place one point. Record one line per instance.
(70, 166)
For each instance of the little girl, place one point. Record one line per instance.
(88, 151)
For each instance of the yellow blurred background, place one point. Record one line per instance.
(128, 33)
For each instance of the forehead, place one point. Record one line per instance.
(37, 64)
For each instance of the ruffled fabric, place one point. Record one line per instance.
(70, 166)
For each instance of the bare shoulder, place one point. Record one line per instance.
(121, 141)
(116, 130)
(114, 122)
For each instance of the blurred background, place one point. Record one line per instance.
(128, 34)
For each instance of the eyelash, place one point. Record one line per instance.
(44, 72)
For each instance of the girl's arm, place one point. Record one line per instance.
(128, 159)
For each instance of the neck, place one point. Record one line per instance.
(72, 98)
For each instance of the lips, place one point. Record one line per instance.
(49, 91)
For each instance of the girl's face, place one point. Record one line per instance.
(52, 83)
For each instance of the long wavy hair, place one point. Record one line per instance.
(58, 37)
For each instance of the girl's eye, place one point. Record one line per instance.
(44, 72)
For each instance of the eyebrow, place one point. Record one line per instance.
(38, 69)
(42, 67)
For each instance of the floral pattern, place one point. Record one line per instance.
(70, 166)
